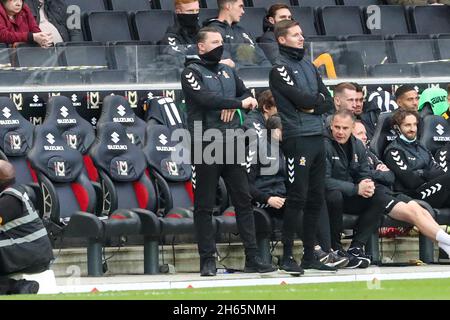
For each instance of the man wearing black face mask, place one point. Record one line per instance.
(301, 98)
(180, 38)
(213, 92)
(24, 244)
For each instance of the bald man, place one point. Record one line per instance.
(20, 224)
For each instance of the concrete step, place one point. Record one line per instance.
(185, 258)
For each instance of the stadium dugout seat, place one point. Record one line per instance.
(361, 3)
(443, 44)
(152, 25)
(110, 76)
(305, 16)
(117, 109)
(430, 19)
(108, 26)
(206, 14)
(266, 4)
(35, 57)
(340, 20)
(433, 69)
(392, 70)
(383, 135)
(252, 21)
(127, 188)
(83, 54)
(210, 4)
(129, 5)
(316, 3)
(88, 5)
(127, 55)
(393, 21)
(69, 198)
(424, 49)
(16, 136)
(163, 5)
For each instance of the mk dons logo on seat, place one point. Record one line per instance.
(122, 168)
(115, 137)
(15, 142)
(60, 169)
(72, 140)
(7, 114)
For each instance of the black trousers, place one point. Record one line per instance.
(436, 192)
(305, 159)
(207, 178)
(369, 211)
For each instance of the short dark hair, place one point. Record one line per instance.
(402, 90)
(343, 113)
(221, 3)
(340, 87)
(201, 35)
(357, 87)
(274, 122)
(282, 27)
(400, 115)
(265, 98)
(275, 7)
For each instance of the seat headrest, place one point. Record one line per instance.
(384, 134)
(164, 111)
(436, 98)
(168, 157)
(383, 100)
(53, 157)
(114, 153)
(16, 133)
(78, 133)
(435, 134)
(117, 109)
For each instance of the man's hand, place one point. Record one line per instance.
(228, 62)
(366, 188)
(249, 103)
(382, 167)
(276, 202)
(227, 115)
(43, 39)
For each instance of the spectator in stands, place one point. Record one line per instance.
(359, 103)
(180, 38)
(256, 119)
(302, 99)
(345, 97)
(17, 24)
(276, 13)
(351, 188)
(435, 99)
(213, 92)
(241, 45)
(407, 210)
(407, 97)
(52, 17)
(377, 103)
(25, 247)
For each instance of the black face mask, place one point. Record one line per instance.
(189, 21)
(294, 53)
(212, 57)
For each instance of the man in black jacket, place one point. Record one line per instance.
(276, 13)
(241, 45)
(213, 92)
(301, 99)
(52, 16)
(24, 246)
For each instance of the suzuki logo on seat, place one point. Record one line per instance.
(50, 138)
(64, 112)
(121, 110)
(440, 129)
(115, 137)
(163, 139)
(6, 112)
